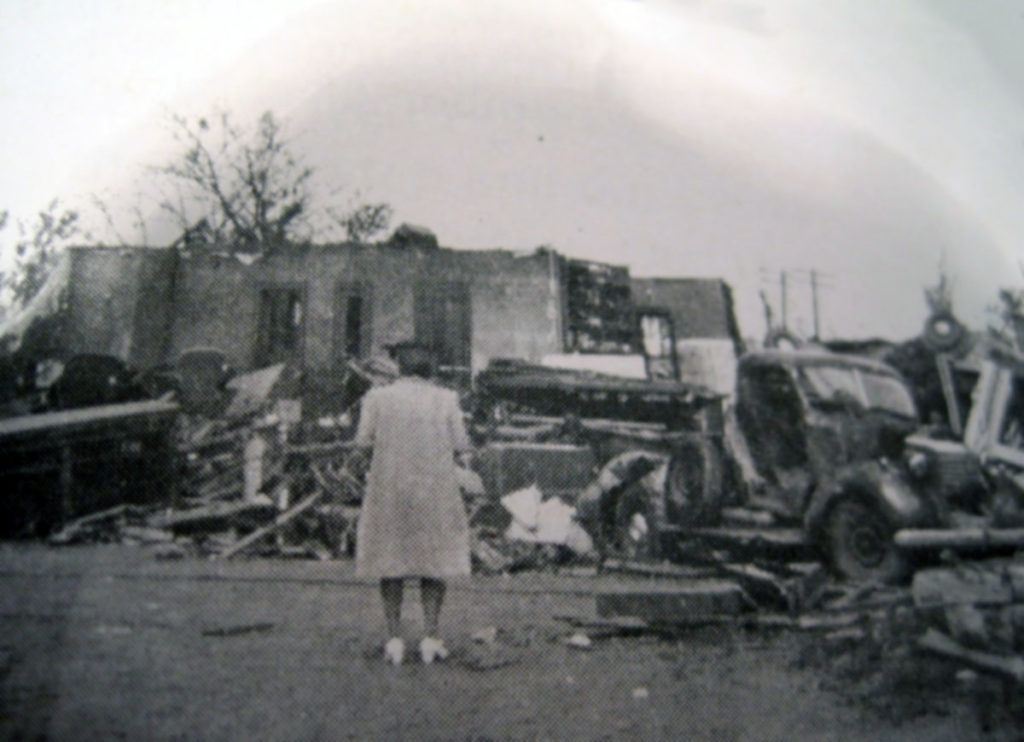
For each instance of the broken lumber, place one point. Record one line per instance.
(318, 449)
(79, 527)
(604, 628)
(982, 583)
(225, 439)
(675, 603)
(748, 517)
(830, 622)
(1006, 666)
(855, 595)
(208, 514)
(759, 583)
(145, 535)
(959, 538)
(281, 520)
(805, 589)
(656, 570)
(341, 477)
(752, 537)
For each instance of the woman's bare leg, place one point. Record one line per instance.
(432, 596)
(391, 594)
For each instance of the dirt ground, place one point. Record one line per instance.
(106, 642)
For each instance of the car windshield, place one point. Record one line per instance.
(888, 393)
(869, 389)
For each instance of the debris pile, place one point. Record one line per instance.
(242, 485)
(246, 485)
(950, 640)
(974, 613)
(306, 516)
(523, 530)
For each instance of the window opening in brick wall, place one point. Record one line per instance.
(282, 313)
(352, 315)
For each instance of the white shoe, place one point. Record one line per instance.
(394, 650)
(432, 649)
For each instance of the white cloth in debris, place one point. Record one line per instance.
(412, 521)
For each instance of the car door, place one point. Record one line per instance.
(772, 418)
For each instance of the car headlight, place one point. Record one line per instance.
(917, 464)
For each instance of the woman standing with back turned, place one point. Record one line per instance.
(413, 522)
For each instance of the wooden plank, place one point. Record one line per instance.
(943, 363)
(673, 603)
(829, 622)
(753, 536)
(765, 587)
(742, 517)
(978, 584)
(67, 422)
(657, 569)
(77, 528)
(207, 513)
(1007, 666)
(853, 597)
(281, 520)
(318, 449)
(225, 439)
(959, 538)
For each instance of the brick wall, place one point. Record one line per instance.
(121, 298)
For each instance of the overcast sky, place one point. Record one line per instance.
(864, 140)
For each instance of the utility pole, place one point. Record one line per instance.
(782, 291)
(814, 302)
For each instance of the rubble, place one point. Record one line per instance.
(1011, 667)
(676, 603)
(561, 492)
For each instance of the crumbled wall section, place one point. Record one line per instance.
(699, 307)
(118, 302)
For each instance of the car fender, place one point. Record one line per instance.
(877, 481)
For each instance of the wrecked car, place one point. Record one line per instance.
(90, 379)
(826, 434)
(198, 377)
(815, 439)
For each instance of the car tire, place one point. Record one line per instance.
(694, 483)
(943, 332)
(859, 545)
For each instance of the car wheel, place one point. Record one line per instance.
(693, 483)
(859, 543)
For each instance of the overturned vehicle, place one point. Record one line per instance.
(822, 449)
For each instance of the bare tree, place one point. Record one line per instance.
(363, 221)
(114, 226)
(247, 187)
(34, 252)
(248, 191)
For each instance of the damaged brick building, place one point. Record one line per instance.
(317, 306)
